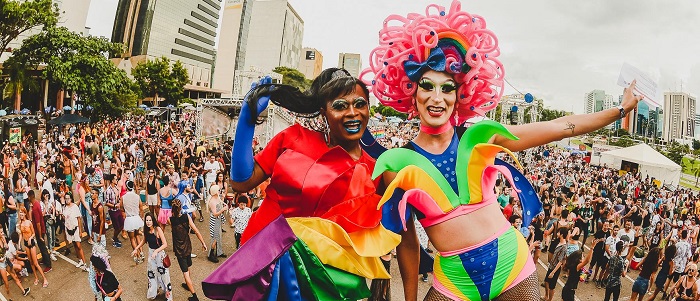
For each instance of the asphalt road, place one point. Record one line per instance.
(66, 282)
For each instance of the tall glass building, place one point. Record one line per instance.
(182, 30)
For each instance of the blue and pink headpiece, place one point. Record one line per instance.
(451, 41)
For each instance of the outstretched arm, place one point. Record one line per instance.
(540, 133)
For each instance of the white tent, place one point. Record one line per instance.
(650, 162)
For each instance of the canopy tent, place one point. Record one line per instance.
(68, 119)
(648, 160)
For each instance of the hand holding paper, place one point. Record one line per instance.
(645, 85)
(629, 99)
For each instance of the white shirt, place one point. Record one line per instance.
(629, 234)
(611, 241)
(213, 168)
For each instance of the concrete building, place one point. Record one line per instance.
(233, 39)
(697, 126)
(311, 62)
(594, 101)
(643, 120)
(351, 62)
(183, 30)
(73, 16)
(678, 116)
(275, 36)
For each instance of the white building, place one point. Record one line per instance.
(233, 37)
(275, 36)
(73, 15)
(594, 101)
(351, 62)
(183, 30)
(678, 116)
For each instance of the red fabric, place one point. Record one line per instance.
(308, 179)
(267, 213)
(37, 215)
(508, 211)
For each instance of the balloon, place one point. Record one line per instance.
(514, 109)
(3, 112)
(529, 98)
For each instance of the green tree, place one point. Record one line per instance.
(696, 144)
(621, 133)
(624, 141)
(550, 114)
(675, 151)
(157, 78)
(293, 77)
(77, 64)
(17, 17)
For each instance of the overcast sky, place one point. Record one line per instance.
(556, 50)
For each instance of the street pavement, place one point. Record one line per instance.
(66, 282)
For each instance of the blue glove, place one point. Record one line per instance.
(242, 163)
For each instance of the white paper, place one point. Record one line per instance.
(645, 86)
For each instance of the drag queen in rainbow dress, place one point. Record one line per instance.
(443, 67)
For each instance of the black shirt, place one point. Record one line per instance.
(599, 248)
(182, 246)
(108, 282)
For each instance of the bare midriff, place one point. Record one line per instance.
(467, 230)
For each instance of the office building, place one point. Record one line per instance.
(697, 126)
(275, 36)
(678, 116)
(183, 30)
(351, 62)
(73, 15)
(594, 101)
(233, 39)
(311, 62)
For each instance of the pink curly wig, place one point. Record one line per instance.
(470, 56)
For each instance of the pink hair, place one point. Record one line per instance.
(408, 38)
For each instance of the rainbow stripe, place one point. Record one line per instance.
(449, 38)
(484, 272)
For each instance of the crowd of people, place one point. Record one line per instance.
(109, 182)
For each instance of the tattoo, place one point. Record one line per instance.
(570, 126)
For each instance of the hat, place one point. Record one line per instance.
(42, 164)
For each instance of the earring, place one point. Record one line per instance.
(325, 129)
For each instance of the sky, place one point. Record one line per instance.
(556, 50)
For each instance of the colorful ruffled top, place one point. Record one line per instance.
(425, 188)
(317, 234)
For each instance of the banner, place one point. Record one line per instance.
(15, 135)
(378, 134)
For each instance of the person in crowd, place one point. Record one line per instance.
(85, 196)
(240, 215)
(682, 257)
(6, 269)
(556, 262)
(10, 206)
(30, 243)
(132, 223)
(158, 274)
(574, 263)
(211, 168)
(114, 208)
(599, 261)
(616, 269)
(166, 195)
(216, 208)
(36, 215)
(73, 221)
(650, 264)
(98, 221)
(52, 214)
(106, 281)
(686, 288)
(182, 246)
(152, 187)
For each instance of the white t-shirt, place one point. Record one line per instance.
(48, 187)
(630, 235)
(213, 168)
(71, 214)
(610, 242)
